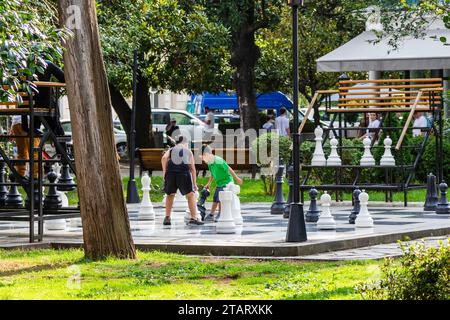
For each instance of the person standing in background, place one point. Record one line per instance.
(209, 121)
(420, 121)
(282, 123)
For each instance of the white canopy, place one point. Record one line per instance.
(413, 54)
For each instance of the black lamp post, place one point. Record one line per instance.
(132, 193)
(296, 231)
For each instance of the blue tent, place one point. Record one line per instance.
(224, 101)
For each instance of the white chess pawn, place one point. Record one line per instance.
(179, 203)
(55, 224)
(326, 220)
(334, 159)
(236, 204)
(226, 222)
(187, 213)
(146, 211)
(387, 160)
(363, 219)
(318, 156)
(367, 158)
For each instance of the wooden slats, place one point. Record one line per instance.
(380, 104)
(423, 80)
(378, 93)
(408, 86)
(15, 103)
(365, 110)
(41, 84)
(390, 98)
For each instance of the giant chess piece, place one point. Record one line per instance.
(146, 211)
(326, 220)
(443, 207)
(356, 206)
(36, 194)
(312, 215)
(367, 158)
(13, 198)
(65, 181)
(3, 189)
(204, 194)
(334, 159)
(287, 208)
(364, 220)
(387, 160)
(278, 203)
(236, 204)
(318, 156)
(180, 203)
(52, 200)
(432, 198)
(226, 223)
(187, 213)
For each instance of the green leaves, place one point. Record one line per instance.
(28, 36)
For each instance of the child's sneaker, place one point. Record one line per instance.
(166, 221)
(209, 218)
(216, 219)
(195, 222)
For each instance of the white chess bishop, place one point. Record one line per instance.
(387, 160)
(326, 220)
(226, 223)
(146, 211)
(363, 219)
(318, 156)
(367, 158)
(334, 159)
(236, 204)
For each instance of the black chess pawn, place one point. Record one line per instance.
(432, 199)
(52, 200)
(287, 208)
(356, 206)
(3, 189)
(443, 207)
(312, 215)
(13, 198)
(65, 181)
(278, 203)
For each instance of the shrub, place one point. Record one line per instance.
(420, 274)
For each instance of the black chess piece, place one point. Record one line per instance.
(443, 207)
(13, 198)
(312, 215)
(278, 203)
(287, 208)
(356, 206)
(36, 194)
(3, 189)
(204, 194)
(65, 181)
(52, 200)
(432, 198)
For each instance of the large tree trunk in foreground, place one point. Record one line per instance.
(245, 55)
(106, 229)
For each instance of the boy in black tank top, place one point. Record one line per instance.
(179, 173)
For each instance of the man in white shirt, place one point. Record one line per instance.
(210, 121)
(282, 123)
(420, 121)
(374, 124)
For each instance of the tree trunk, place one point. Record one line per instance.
(121, 107)
(245, 56)
(106, 229)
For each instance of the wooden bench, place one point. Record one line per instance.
(237, 159)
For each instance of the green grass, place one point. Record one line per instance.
(66, 274)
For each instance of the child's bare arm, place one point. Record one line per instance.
(209, 182)
(235, 177)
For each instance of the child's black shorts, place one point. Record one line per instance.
(181, 181)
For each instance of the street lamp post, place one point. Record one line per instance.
(296, 231)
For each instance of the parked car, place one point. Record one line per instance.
(119, 136)
(186, 121)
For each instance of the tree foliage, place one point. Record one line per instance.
(28, 36)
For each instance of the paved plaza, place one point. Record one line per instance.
(263, 234)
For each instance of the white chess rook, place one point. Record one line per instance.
(387, 160)
(236, 204)
(334, 159)
(187, 213)
(326, 220)
(367, 158)
(180, 203)
(146, 211)
(364, 220)
(318, 156)
(226, 222)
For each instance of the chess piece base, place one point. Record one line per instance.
(296, 231)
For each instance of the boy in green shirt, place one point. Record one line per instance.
(221, 173)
